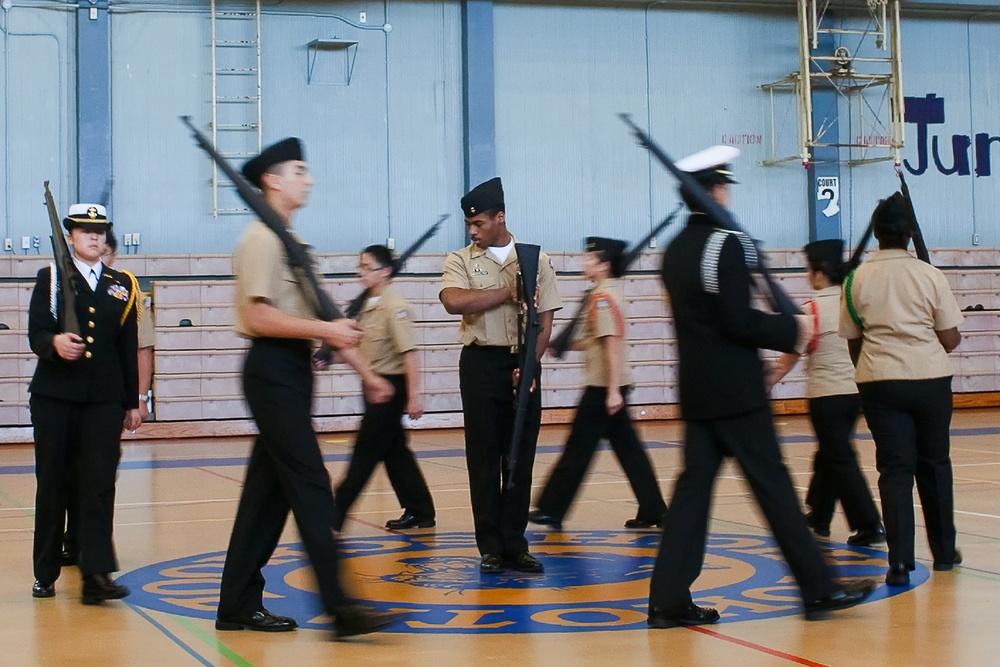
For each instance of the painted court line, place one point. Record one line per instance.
(174, 638)
(756, 647)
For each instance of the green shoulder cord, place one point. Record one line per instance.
(848, 299)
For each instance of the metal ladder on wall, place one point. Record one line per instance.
(236, 100)
(857, 79)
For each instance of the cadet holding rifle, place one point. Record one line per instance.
(82, 324)
(480, 283)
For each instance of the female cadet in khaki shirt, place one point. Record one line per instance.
(901, 320)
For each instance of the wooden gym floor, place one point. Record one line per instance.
(176, 501)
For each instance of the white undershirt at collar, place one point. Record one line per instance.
(85, 269)
(502, 252)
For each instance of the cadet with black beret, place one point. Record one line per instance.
(603, 409)
(480, 284)
(286, 469)
(84, 390)
(834, 405)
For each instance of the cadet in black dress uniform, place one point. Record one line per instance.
(724, 403)
(84, 390)
(603, 409)
(480, 283)
(286, 470)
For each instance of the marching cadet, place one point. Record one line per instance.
(286, 469)
(834, 405)
(389, 348)
(84, 390)
(603, 408)
(724, 404)
(901, 320)
(480, 284)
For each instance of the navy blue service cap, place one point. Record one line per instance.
(484, 197)
(711, 166)
(283, 151)
(88, 217)
(610, 249)
(827, 250)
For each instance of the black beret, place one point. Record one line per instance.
(283, 151)
(88, 217)
(484, 197)
(610, 249)
(827, 250)
(892, 216)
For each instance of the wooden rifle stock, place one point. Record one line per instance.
(780, 300)
(527, 260)
(64, 267)
(298, 258)
(561, 343)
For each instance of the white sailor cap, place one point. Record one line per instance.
(712, 165)
(88, 216)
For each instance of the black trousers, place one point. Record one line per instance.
(750, 438)
(836, 474)
(382, 438)
(911, 421)
(79, 442)
(286, 471)
(591, 423)
(500, 514)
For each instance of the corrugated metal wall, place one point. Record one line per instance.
(37, 118)
(387, 150)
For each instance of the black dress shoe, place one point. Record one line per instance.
(866, 537)
(525, 562)
(543, 519)
(692, 614)
(262, 621)
(409, 521)
(100, 587)
(490, 564)
(40, 590)
(848, 595)
(641, 524)
(898, 575)
(67, 557)
(818, 526)
(354, 620)
(945, 566)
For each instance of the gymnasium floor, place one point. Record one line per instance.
(176, 501)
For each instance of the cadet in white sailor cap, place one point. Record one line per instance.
(85, 388)
(725, 407)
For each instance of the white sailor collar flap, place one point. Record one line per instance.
(712, 251)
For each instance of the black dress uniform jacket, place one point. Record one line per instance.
(718, 330)
(108, 370)
(77, 410)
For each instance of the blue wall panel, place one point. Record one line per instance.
(37, 126)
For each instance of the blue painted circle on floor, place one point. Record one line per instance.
(593, 580)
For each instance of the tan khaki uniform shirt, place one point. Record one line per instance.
(147, 328)
(261, 267)
(474, 268)
(604, 316)
(388, 332)
(901, 302)
(829, 367)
